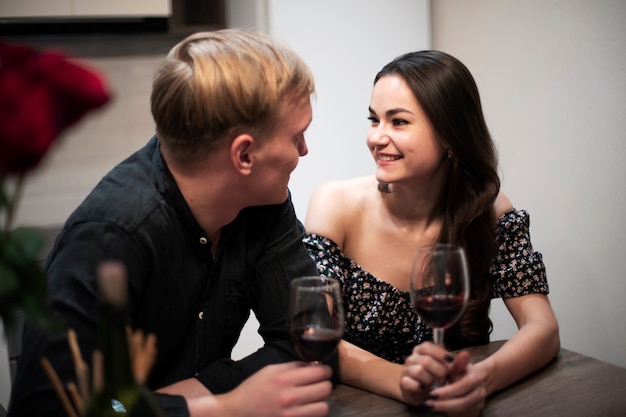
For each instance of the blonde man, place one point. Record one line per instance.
(203, 220)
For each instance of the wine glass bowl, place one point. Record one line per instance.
(439, 286)
(316, 317)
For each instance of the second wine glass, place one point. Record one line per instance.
(439, 286)
(316, 317)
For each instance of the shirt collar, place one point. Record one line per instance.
(173, 196)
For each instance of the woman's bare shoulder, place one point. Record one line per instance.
(335, 205)
(347, 190)
(501, 205)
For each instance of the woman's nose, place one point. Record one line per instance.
(377, 137)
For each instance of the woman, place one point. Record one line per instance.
(436, 181)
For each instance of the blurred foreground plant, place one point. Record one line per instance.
(41, 94)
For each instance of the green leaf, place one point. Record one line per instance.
(37, 312)
(8, 280)
(23, 287)
(21, 247)
(30, 240)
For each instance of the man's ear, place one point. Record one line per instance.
(241, 150)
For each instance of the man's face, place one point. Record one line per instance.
(280, 151)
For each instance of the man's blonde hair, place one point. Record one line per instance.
(215, 85)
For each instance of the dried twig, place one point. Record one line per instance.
(58, 387)
(97, 376)
(142, 350)
(79, 400)
(80, 366)
(143, 353)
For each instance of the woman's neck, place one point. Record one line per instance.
(411, 207)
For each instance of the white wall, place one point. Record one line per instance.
(552, 79)
(345, 43)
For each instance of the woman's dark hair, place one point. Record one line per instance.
(447, 93)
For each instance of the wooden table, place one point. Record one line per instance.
(572, 385)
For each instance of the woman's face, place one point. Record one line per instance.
(401, 138)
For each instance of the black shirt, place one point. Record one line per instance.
(194, 302)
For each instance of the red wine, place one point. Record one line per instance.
(315, 343)
(439, 310)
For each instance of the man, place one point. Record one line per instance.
(203, 221)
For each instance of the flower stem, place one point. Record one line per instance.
(12, 202)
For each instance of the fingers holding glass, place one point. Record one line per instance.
(426, 370)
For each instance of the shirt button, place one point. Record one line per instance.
(201, 315)
(203, 240)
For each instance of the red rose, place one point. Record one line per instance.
(40, 95)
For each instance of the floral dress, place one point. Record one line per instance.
(381, 319)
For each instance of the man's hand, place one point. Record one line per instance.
(293, 389)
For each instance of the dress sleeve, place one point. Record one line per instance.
(517, 269)
(328, 259)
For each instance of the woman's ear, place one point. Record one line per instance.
(241, 150)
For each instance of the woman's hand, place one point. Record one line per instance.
(463, 396)
(427, 364)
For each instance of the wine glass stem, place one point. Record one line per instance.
(438, 340)
(438, 336)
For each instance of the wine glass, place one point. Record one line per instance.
(316, 317)
(439, 286)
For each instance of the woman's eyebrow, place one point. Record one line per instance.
(392, 112)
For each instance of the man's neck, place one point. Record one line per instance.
(210, 191)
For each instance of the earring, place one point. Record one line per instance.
(449, 153)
